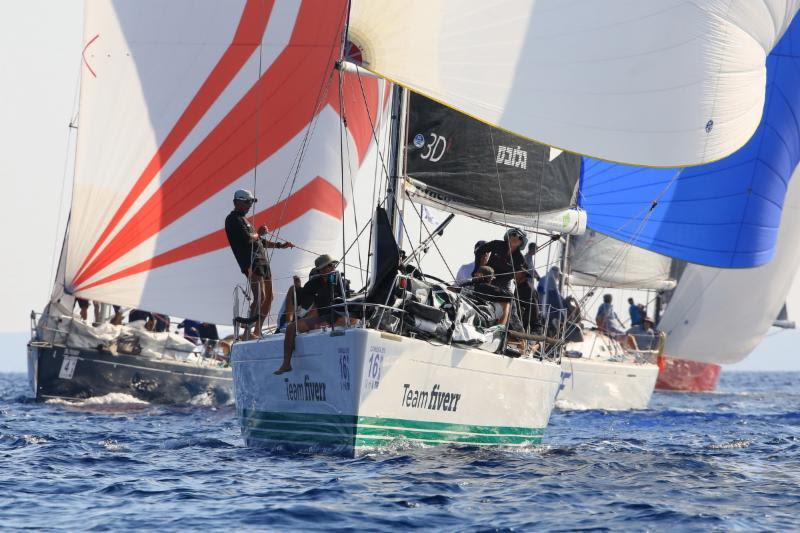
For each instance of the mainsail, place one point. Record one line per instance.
(725, 214)
(181, 104)
(668, 83)
(458, 164)
(596, 260)
(720, 315)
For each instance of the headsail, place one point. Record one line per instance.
(181, 104)
(669, 83)
(458, 164)
(725, 214)
(790, 312)
(720, 315)
(596, 260)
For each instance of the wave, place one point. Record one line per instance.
(113, 399)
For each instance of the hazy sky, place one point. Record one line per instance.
(40, 45)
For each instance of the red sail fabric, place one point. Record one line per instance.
(184, 104)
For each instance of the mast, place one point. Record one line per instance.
(397, 160)
(659, 303)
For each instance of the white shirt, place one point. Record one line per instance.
(464, 273)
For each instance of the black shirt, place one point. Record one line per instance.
(138, 314)
(208, 331)
(248, 254)
(503, 265)
(320, 293)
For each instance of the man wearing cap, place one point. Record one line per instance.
(505, 256)
(318, 294)
(249, 248)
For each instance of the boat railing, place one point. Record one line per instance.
(72, 332)
(374, 316)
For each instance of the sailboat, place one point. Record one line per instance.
(413, 337)
(343, 389)
(179, 107)
(720, 316)
(605, 372)
(535, 187)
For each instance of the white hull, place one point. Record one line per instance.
(604, 378)
(361, 389)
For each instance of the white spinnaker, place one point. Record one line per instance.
(721, 315)
(596, 260)
(667, 83)
(148, 67)
(793, 299)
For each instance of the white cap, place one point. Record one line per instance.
(243, 195)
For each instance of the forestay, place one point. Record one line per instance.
(458, 164)
(596, 260)
(720, 315)
(725, 214)
(668, 83)
(184, 102)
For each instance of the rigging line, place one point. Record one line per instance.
(545, 153)
(342, 132)
(384, 179)
(53, 260)
(405, 229)
(620, 253)
(252, 209)
(294, 169)
(317, 110)
(342, 124)
(505, 218)
(648, 212)
(357, 240)
(372, 122)
(75, 111)
(376, 180)
(376, 187)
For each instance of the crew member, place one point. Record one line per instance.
(505, 257)
(249, 248)
(318, 294)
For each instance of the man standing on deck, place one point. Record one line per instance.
(635, 313)
(249, 248)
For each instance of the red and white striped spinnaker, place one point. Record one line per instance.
(182, 103)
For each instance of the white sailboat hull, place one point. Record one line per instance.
(357, 389)
(599, 380)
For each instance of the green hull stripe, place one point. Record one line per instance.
(348, 430)
(351, 420)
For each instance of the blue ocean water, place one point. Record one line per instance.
(723, 461)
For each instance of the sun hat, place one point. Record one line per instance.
(323, 261)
